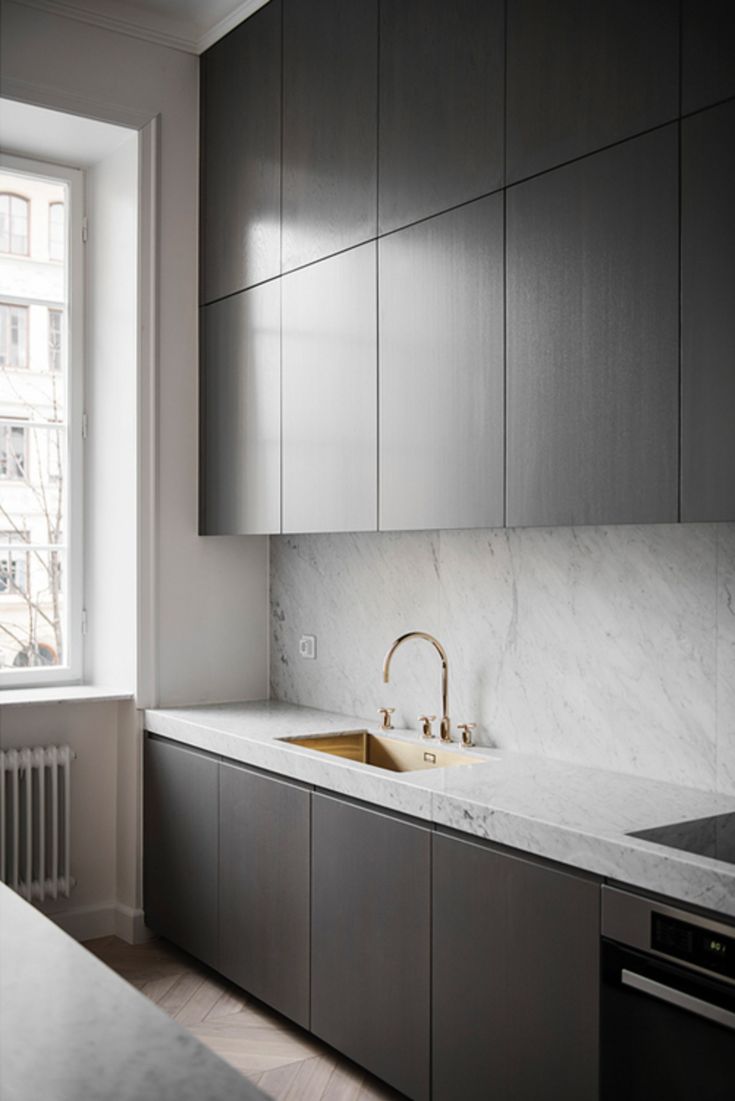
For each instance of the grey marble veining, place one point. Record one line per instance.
(726, 658)
(576, 815)
(72, 1030)
(608, 647)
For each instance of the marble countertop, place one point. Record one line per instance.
(575, 815)
(71, 1029)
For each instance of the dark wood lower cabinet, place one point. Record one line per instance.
(446, 967)
(515, 977)
(370, 964)
(181, 798)
(264, 888)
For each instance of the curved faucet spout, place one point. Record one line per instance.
(445, 723)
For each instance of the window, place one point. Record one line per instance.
(14, 220)
(56, 224)
(40, 436)
(13, 453)
(54, 339)
(13, 336)
(13, 563)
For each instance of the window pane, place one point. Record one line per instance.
(32, 611)
(13, 336)
(13, 224)
(56, 231)
(13, 454)
(54, 340)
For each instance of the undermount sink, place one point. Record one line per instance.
(383, 752)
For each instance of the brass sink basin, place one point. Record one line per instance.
(382, 752)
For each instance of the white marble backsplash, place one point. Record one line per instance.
(611, 647)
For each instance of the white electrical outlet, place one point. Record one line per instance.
(307, 646)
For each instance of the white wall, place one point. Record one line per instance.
(211, 593)
(111, 395)
(104, 898)
(611, 647)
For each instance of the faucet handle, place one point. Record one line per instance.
(386, 712)
(466, 730)
(426, 721)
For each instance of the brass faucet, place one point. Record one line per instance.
(445, 728)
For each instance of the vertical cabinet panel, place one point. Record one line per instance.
(330, 98)
(441, 105)
(180, 847)
(441, 371)
(240, 363)
(264, 888)
(585, 73)
(371, 941)
(330, 395)
(708, 321)
(592, 357)
(515, 978)
(708, 48)
(241, 156)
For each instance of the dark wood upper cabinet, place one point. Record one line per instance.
(441, 105)
(441, 371)
(708, 49)
(371, 950)
(583, 74)
(708, 320)
(330, 105)
(592, 339)
(240, 214)
(516, 983)
(240, 413)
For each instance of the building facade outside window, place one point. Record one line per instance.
(13, 335)
(55, 321)
(40, 426)
(14, 223)
(56, 231)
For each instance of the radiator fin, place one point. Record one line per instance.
(35, 821)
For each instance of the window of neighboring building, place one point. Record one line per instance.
(56, 223)
(14, 563)
(13, 452)
(41, 439)
(13, 335)
(54, 339)
(14, 219)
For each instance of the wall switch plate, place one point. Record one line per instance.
(307, 646)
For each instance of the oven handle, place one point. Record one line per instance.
(678, 998)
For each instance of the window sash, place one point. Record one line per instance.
(14, 224)
(13, 336)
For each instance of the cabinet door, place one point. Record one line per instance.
(371, 941)
(264, 888)
(180, 846)
(241, 413)
(708, 47)
(515, 978)
(592, 352)
(330, 395)
(241, 156)
(708, 323)
(441, 105)
(441, 371)
(330, 105)
(585, 73)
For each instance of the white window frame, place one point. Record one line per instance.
(72, 671)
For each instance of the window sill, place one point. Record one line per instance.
(72, 693)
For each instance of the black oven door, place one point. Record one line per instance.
(667, 1033)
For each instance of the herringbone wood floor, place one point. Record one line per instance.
(287, 1063)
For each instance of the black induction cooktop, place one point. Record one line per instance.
(713, 837)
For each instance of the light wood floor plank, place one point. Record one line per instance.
(282, 1059)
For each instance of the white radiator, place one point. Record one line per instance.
(35, 810)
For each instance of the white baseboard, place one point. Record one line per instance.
(90, 922)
